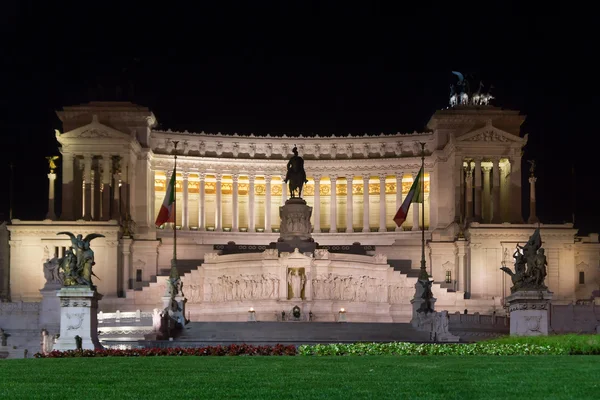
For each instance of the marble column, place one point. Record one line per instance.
(399, 176)
(486, 198)
(116, 206)
(349, 212)
(478, 199)
(127, 281)
(68, 187)
(317, 205)
(382, 227)
(469, 191)
(366, 178)
(219, 205)
(51, 182)
(459, 186)
(169, 174)
(533, 219)
(87, 193)
(496, 216)
(201, 202)
(235, 224)
(415, 208)
(333, 205)
(106, 178)
(185, 211)
(505, 205)
(251, 202)
(462, 271)
(268, 228)
(515, 190)
(284, 191)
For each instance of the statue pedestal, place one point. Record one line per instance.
(78, 317)
(175, 307)
(295, 220)
(295, 228)
(50, 308)
(529, 312)
(419, 304)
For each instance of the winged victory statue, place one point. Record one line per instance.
(76, 265)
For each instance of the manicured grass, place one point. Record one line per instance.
(571, 344)
(376, 377)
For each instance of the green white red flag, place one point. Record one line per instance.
(415, 195)
(167, 210)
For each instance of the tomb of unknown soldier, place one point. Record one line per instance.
(226, 238)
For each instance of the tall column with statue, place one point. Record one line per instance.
(532, 207)
(51, 183)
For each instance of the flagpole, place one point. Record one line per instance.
(423, 275)
(174, 261)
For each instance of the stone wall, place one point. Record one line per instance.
(4, 261)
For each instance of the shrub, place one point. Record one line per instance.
(229, 350)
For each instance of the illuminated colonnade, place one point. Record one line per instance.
(485, 190)
(250, 203)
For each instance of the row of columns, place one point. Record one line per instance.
(91, 192)
(316, 206)
(483, 202)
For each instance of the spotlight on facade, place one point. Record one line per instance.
(251, 315)
(342, 315)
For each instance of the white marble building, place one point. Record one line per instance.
(229, 188)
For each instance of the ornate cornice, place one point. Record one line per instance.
(276, 167)
(313, 147)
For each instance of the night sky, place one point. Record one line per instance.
(300, 69)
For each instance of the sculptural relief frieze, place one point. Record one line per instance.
(349, 288)
(242, 287)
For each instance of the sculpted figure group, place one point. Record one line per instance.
(75, 267)
(243, 287)
(350, 288)
(530, 265)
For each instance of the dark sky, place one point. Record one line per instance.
(302, 68)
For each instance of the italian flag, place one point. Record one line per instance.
(167, 210)
(415, 195)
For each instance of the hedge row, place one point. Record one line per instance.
(567, 346)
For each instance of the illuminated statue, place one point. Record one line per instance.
(51, 163)
(78, 261)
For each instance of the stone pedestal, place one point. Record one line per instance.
(529, 312)
(175, 308)
(422, 302)
(295, 220)
(50, 308)
(295, 228)
(78, 317)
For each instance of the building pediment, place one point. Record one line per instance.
(93, 130)
(490, 133)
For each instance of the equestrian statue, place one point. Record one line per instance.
(295, 176)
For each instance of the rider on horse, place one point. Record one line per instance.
(296, 176)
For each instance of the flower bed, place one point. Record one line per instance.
(230, 350)
(509, 346)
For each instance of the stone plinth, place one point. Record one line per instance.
(295, 228)
(529, 312)
(295, 220)
(176, 309)
(78, 317)
(50, 308)
(422, 304)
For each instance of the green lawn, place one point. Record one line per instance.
(352, 377)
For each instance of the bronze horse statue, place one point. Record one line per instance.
(296, 176)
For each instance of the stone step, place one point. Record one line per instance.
(299, 332)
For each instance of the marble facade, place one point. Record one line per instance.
(115, 165)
